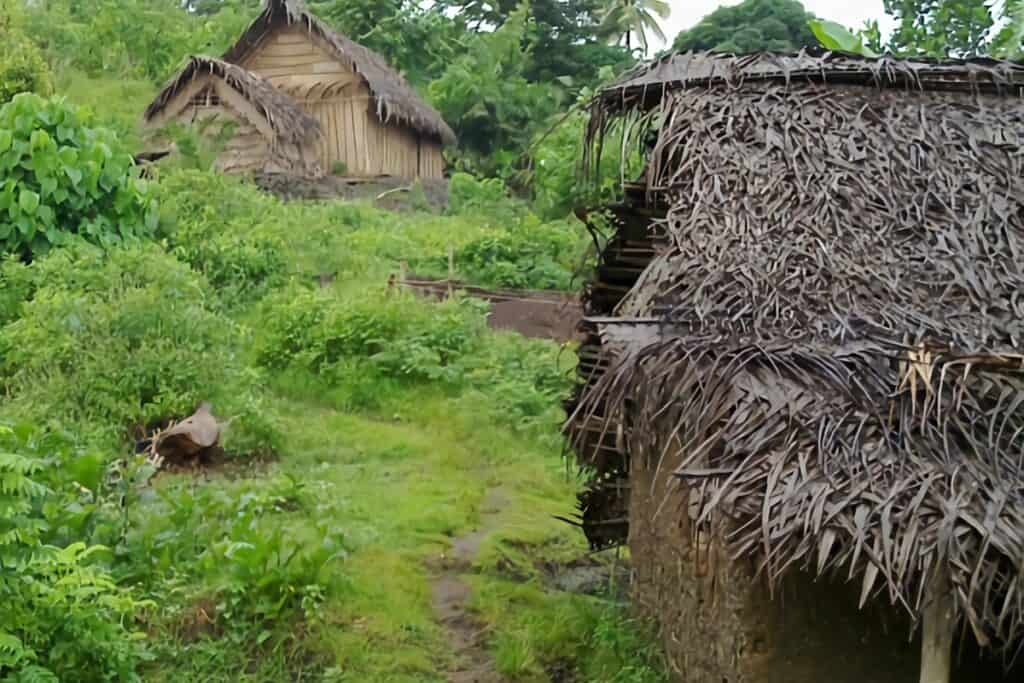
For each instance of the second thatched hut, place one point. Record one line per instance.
(370, 120)
(803, 386)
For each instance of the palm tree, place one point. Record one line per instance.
(622, 18)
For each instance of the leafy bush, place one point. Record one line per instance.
(235, 543)
(64, 617)
(16, 285)
(557, 183)
(524, 381)
(130, 337)
(22, 67)
(531, 255)
(467, 193)
(360, 349)
(215, 225)
(486, 97)
(397, 335)
(135, 38)
(62, 178)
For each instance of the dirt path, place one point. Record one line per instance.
(450, 599)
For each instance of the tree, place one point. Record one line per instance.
(1009, 42)
(621, 19)
(485, 96)
(567, 40)
(940, 28)
(751, 26)
(418, 42)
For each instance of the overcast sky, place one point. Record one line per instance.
(852, 13)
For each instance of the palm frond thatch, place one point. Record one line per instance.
(396, 99)
(285, 117)
(838, 359)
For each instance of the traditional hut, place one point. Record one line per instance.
(803, 386)
(373, 121)
(267, 131)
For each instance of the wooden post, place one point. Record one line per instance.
(451, 269)
(938, 630)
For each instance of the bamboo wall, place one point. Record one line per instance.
(294, 61)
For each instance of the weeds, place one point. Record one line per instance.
(392, 415)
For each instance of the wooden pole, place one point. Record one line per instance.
(937, 631)
(451, 269)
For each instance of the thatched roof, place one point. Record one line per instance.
(691, 69)
(840, 352)
(396, 100)
(284, 115)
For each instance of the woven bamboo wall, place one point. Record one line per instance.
(293, 61)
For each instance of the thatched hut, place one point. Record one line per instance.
(373, 121)
(266, 131)
(803, 386)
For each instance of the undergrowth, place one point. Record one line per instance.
(388, 417)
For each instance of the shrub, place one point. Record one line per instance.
(234, 543)
(466, 192)
(22, 67)
(530, 255)
(64, 617)
(125, 338)
(524, 382)
(64, 178)
(16, 285)
(242, 266)
(398, 335)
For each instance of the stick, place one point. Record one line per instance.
(403, 271)
(937, 631)
(451, 268)
(382, 195)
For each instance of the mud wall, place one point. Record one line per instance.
(719, 623)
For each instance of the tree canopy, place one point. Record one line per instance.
(751, 26)
(940, 28)
(566, 36)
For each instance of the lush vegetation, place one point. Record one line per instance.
(943, 28)
(367, 424)
(751, 26)
(22, 66)
(64, 179)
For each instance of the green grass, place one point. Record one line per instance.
(116, 103)
(314, 566)
(401, 484)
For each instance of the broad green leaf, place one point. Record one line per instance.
(28, 201)
(837, 37)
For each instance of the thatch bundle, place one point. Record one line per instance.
(396, 100)
(839, 355)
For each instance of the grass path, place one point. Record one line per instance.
(450, 596)
(450, 538)
(451, 519)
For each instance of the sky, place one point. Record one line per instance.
(852, 13)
